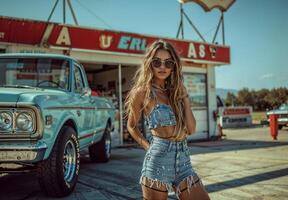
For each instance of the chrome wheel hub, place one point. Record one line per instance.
(69, 160)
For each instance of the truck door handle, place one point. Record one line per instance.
(78, 113)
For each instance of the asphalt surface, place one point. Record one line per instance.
(246, 164)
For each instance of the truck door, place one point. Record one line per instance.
(83, 107)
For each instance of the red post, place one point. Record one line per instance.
(273, 126)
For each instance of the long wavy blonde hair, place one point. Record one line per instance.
(144, 78)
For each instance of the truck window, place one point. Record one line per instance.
(79, 84)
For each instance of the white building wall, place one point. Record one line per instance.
(212, 103)
(19, 48)
(81, 55)
(106, 57)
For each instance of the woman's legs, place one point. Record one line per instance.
(195, 191)
(157, 191)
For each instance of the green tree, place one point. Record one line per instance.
(245, 97)
(231, 99)
(261, 102)
(277, 96)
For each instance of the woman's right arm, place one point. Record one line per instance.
(134, 117)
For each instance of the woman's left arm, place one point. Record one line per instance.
(189, 117)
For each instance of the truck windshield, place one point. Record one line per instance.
(34, 72)
(283, 107)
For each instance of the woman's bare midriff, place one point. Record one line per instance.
(166, 132)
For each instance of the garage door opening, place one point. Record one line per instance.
(104, 80)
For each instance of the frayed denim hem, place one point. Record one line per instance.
(190, 180)
(158, 183)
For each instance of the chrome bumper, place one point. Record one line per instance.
(281, 121)
(32, 152)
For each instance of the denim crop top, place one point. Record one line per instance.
(161, 115)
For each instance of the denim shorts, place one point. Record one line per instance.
(168, 163)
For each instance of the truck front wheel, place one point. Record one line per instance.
(59, 173)
(101, 151)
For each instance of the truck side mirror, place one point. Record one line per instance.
(86, 92)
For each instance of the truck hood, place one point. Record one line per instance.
(277, 111)
(13, 96)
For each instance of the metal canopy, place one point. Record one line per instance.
(208, 5)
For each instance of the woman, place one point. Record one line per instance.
(159, 93)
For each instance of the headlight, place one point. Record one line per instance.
(6, 121)
(24, 122)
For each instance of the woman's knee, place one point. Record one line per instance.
(192, 188)
(197, 192)
(154, 193)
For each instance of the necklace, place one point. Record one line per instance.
(159, 88)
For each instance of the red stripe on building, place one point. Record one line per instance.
(13, 30)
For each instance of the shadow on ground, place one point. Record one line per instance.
(247, 180)
(232, 145)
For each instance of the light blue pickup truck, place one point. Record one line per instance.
(47, 116)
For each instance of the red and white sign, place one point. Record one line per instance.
(235, 116)
(236, 111)
(20, 31)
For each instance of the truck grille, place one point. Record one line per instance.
(283, 116)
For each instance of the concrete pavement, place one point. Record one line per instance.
(248, 164)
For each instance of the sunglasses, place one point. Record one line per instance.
(157, 62)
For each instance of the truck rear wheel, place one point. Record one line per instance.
(59, 173)
(101, 151)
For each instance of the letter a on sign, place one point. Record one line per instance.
(64, 37)
(191, 51)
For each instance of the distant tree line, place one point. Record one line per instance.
(260, 100)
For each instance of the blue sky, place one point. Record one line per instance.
(256, 31)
